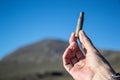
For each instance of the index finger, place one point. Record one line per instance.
(72, 38)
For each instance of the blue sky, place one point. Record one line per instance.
(23, 22)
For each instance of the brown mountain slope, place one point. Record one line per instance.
(113, 57)
(43, 61)
(41, 51)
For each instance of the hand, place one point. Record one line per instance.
(91, 66)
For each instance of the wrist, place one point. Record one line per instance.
(104, 73)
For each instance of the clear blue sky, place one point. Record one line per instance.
(24, 22)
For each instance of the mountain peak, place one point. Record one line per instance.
(37, 52)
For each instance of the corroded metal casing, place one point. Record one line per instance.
(79, 24)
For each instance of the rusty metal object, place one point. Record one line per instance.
(79, 24)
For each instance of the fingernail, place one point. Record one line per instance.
(82, 33)
(73, 33)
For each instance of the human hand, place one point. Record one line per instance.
(92, 66)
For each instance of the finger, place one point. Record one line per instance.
(66, 56)
(66, 59)
(76, 53)
(74, 60)
(86, 41)
(69, 54)
(74, 46)
(68, 67)
(72, 38)
(80, 64)
(79, 55)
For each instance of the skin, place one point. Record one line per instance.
(92, 66)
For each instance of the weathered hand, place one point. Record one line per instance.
(92, 66)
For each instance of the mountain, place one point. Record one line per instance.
(43, 61)
(47, 49)
(38, 61)
(113, 57)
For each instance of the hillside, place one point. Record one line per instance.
(43, 61)
(41, 51)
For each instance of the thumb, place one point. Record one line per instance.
(85, 41)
